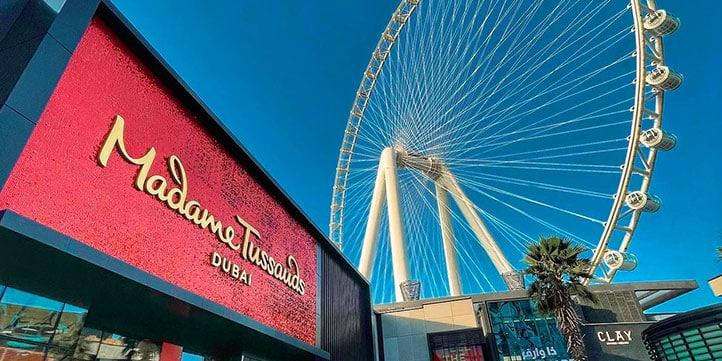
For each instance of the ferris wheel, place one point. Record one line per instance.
(479, 126)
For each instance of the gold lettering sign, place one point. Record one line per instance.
(176, 198)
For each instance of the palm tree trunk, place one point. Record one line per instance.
(569, 325)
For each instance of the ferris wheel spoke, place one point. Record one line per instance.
(457, 245)
(513, 231)
(554, 149)
(486, 161)
(507, 234)
(422, 240)
(485, 97)
(541, 185)
(487, 61)
(540, 128)
(560, 112)
(530, 127)
(436, 92)
(530, 86)
(546, 224)
(538, 219)
(479, 185)
(510, 113)
(449, 85)
(496, 145)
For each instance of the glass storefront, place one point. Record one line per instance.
(35, 328)
(521, 333)
(463, 345)
(699, 343)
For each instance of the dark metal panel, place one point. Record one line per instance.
(14, 133)
(72, 21)
(683, 321)
(346, 327)
(25, 20)
(379, 336)
(10, 11)
(613, 306)
(127, 300)
(39, 79)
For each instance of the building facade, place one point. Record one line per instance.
(695, 335)
(506, 326)
(134, 226)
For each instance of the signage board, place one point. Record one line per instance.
(615, 341)
(119, 161)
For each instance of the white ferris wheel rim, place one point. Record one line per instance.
(649, 50)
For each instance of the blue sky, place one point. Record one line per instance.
(282, 76)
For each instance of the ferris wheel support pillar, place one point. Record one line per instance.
(399, 261)
(508, 273)
(368, 252)
(447, 236)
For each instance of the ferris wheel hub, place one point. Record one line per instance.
(433, 167)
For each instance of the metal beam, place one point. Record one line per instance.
(399, 260)
(370, 242)
(447, 236)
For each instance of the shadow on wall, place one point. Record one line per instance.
(405, 332)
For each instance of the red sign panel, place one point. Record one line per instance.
(116, 161)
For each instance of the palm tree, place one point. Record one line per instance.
(558, 272)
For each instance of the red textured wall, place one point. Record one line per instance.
(58, 183)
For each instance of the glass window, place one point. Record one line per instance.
(521, 333)
(456, 346)
(146, 350)
(88, 344)
(12, 350)
(27, 316)
(37, 328)
(187, 356)
(115, 347)
(59, 354)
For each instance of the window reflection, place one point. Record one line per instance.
(456, 346)
(88, 344)
(69, 327)
(146, 351)
(35, 328)
(115, 347)
(521, 333)
(28, 317)
(187, 356)
(11, 350)
(59, 354)
(94, 345)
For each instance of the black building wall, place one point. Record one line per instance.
(345, 328)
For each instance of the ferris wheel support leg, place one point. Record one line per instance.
(512, 278)
(371, 236)
(399, 261)
(447, 235)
